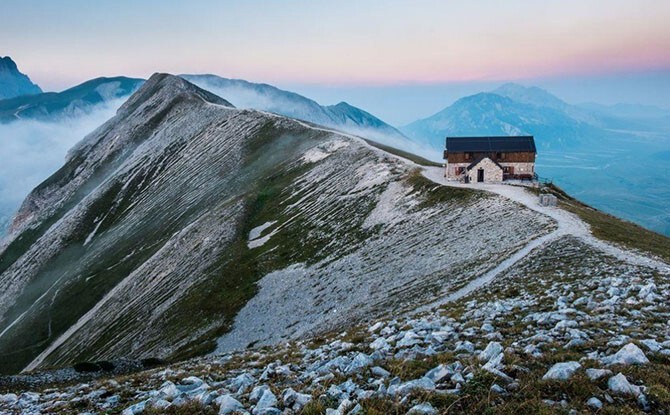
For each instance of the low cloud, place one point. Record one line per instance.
(33, 150)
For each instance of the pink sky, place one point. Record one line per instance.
(317, 42)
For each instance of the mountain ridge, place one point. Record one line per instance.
(173, 186)
(13, 83)
(72, 102)
(342, 116)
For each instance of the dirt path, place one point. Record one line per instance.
(567, 224)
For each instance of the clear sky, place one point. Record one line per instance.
(343, 44)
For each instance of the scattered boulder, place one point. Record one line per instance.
(630, 354)
(422, 384)
(595, 374)
(359, 362)
(492, 350)
(562, 371)
(438, 373)
(295, 400)
(594, 403)
(465, 347)
(652, 345)
(422, 409)
(138, 408)
(619, 385)
(228, 405)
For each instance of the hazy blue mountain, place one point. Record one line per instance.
(12, 82)
(531, 95)
(626, 110)
(345, 117)
(493, 114)
(71, 102)
(542, 98)
(619, 117)
(631, 117)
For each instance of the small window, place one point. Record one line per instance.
(468, 156)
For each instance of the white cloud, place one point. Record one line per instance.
(30, 151)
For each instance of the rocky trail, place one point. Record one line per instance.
(568, 224)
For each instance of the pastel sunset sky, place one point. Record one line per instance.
(320, 46)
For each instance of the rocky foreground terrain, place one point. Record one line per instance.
(566, 330)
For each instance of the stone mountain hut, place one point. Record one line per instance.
(490, 159)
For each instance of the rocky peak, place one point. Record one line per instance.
(12, 82)
(162, 85)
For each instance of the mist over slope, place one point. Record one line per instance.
(76, 101)
(13, 83)
(342, 116)
(152, 237)
(38, 130)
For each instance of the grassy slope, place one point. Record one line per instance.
(404, 154)
(613, 229)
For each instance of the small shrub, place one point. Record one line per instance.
(188, 408)
(106, 366)
(87, 367)
(152, 362)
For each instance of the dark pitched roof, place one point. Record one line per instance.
(490, 144)
(476, 162)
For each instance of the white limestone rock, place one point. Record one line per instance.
(228, 405)
(492, 350)
(562, 371)
(595, 374)
(422, 409)
(619, 385)
(594, 403)
(438, 373)
(465, 347)
(630, 354)
(422, 384)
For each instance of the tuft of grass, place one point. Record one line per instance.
(188, 408)
(407, 369)
(318, 406)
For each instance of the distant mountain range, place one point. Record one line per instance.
(344, 117)
(515, 109)
(493, 114)
(83, 98)
(71, 102)
(12, 82)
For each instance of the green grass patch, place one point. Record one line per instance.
(405, 154)
(613, 229)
